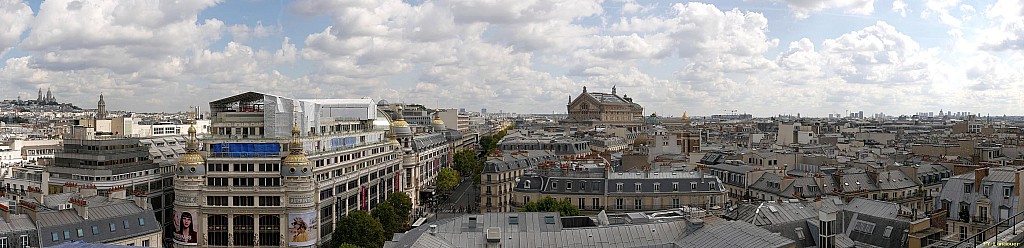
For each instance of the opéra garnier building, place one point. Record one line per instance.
(277, 172)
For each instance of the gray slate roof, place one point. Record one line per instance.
(532, 231)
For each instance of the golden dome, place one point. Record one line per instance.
(191, 156)
(399, 123)
(296, 157)
(437, 121)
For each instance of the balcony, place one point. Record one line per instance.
(981, 221)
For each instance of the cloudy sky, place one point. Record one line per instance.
(762, 57)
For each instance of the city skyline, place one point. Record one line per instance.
(762, 58)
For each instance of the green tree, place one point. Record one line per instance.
(347, 245)
(548, 204)
(447, 179)
(388, 218)
(360, 229)
(403, 207)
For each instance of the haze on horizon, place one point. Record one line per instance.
(526, 56)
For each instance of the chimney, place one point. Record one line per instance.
(979, 174)
(87, 190)
(839, 180)
(118, 192)
(5, 212)
(141, 199)
(81, 206)
(37, 194)
(71, 187)
(25, 207)
(1016, 183)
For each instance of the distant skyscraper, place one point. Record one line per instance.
(483, 111)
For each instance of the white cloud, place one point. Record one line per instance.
(877, 55)
(900, 7)
(804, 8)
(1008, 34)
(15, 16)
(242, 33)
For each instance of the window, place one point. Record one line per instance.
(865, 227)
(217, 200)
(270, 181)
(3, 242)
(270, 201)
(967, 187)
(526, 184)
(217, 181)
(95, 230)
(113, 227)
(568, 185)
(145, 243)
(583, 186)
(549, 219)
(985, 192)
(657, 187)
(675, 202)
(513, 220)
(675, 187)
(618, 187)
(637, 187)
(618, 203)
(888, 231)
(243, 201)
(554, 184)
(81, 233)
(24, 241)
(243, 182)
(1006, 192)
(637, 204)
(693, 185)
(142, 222)
(800, 233)
(714, 186)
(125, 222)
(963, 233)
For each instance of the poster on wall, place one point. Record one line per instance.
(184, 228)
(302, 229)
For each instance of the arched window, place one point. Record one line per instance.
(526, 184)
(244, 227)
(270, 228)
(218, 230)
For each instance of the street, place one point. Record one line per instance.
(464, 197)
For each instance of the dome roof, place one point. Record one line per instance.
(296, 163)
(192, 163)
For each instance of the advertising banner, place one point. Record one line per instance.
(302, 229)
(184, 228)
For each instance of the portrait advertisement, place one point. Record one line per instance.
(302, 229)
(184, 228)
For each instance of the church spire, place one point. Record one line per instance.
(101, 109)
(613, 89)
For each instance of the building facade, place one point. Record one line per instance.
(623, 191)
(500, 174)
(603, 108)
(279, 172)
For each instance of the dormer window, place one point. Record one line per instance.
(526, 184)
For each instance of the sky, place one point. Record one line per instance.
(763, 57)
